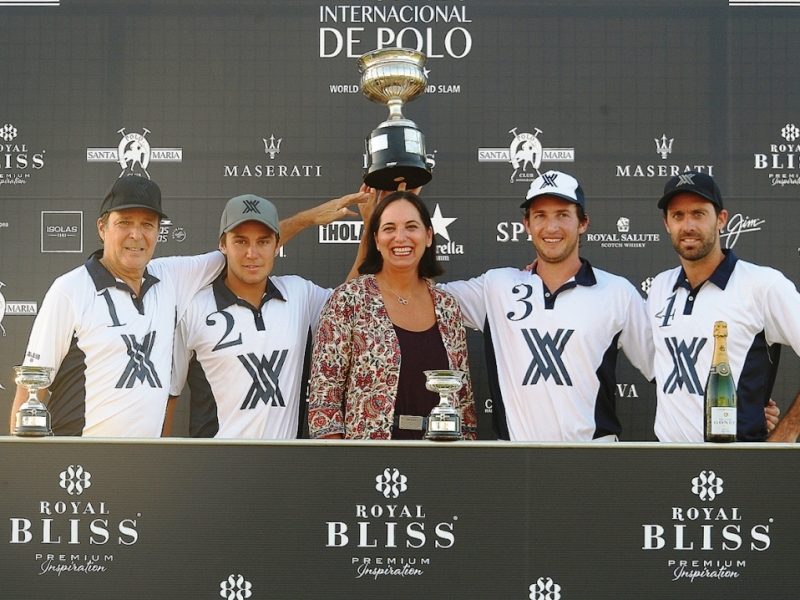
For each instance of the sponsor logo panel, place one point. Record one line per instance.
(392, 535)
(134, 154)
(782, 162)
(74, 530)
(18, 160)
(525, 154)
(663, 148)
(703, 537)
(62, 231)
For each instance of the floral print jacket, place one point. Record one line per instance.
(356, 363)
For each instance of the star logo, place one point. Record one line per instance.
(440, 223)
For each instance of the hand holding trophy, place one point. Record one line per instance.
(396, 149)
(33, 419)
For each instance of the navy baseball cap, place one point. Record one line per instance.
(692, 182)
(555, 183)
(249, 207)
(133, 191)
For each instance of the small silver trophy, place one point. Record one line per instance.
(33, 419)
(396, 149)
(444, 423)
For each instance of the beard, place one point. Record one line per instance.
(698, 252)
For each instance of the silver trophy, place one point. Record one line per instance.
(444, 422)
(396, 149)
(33, 419)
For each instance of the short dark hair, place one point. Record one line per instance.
(373, 262)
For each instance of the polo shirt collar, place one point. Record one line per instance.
(103, 279)
(719, 277)
(224, 297)
(584, 276)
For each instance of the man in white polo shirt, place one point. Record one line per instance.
(107, 327)
(243, 341)
(759, 304)
(552, 335)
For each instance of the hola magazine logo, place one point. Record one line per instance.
(663, 148)
(272, 148)
(782, 162)
(134, 154)
(17, 160)
(693, 530)
(76, 529)
(390, 537)
(526, 154)
(624, 238)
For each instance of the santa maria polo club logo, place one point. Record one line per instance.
(526, 154)
(74, 530)
(15, 308)
(665, 167)
(782, 162)
(134, 154)
(391, 535)
(706, 538)
(18, 160)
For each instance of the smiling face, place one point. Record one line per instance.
(694, 226)
(555, 229)
(402, 237)
(250, 248)
(129, 240)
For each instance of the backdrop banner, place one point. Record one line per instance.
(163, 519)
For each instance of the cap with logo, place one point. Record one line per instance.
(692, 182)
(558, 184)
(133, 191)
(249, 207)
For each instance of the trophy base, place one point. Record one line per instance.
(446, 429)
(32, 432)
(396, 155)
(33, 421)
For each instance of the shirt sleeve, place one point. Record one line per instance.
(471, 297)
(191, 273)
(781, 314)
(52, 331)
(636, 338)
(317, 297)
(180, 359)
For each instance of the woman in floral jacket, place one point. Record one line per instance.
(380, 331)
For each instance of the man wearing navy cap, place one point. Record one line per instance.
(107, 327)
(552, 335)
(759, 305)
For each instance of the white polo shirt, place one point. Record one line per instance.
(112, 350)
(552, 355)
(245, 364)
(762, 310)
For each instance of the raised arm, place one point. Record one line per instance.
(325, 213)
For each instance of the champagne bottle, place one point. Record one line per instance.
(720, 391)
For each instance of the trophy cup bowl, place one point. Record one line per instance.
(33, 419)
(396, 149)
(444, 422)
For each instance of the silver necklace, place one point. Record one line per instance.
(400, 299)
